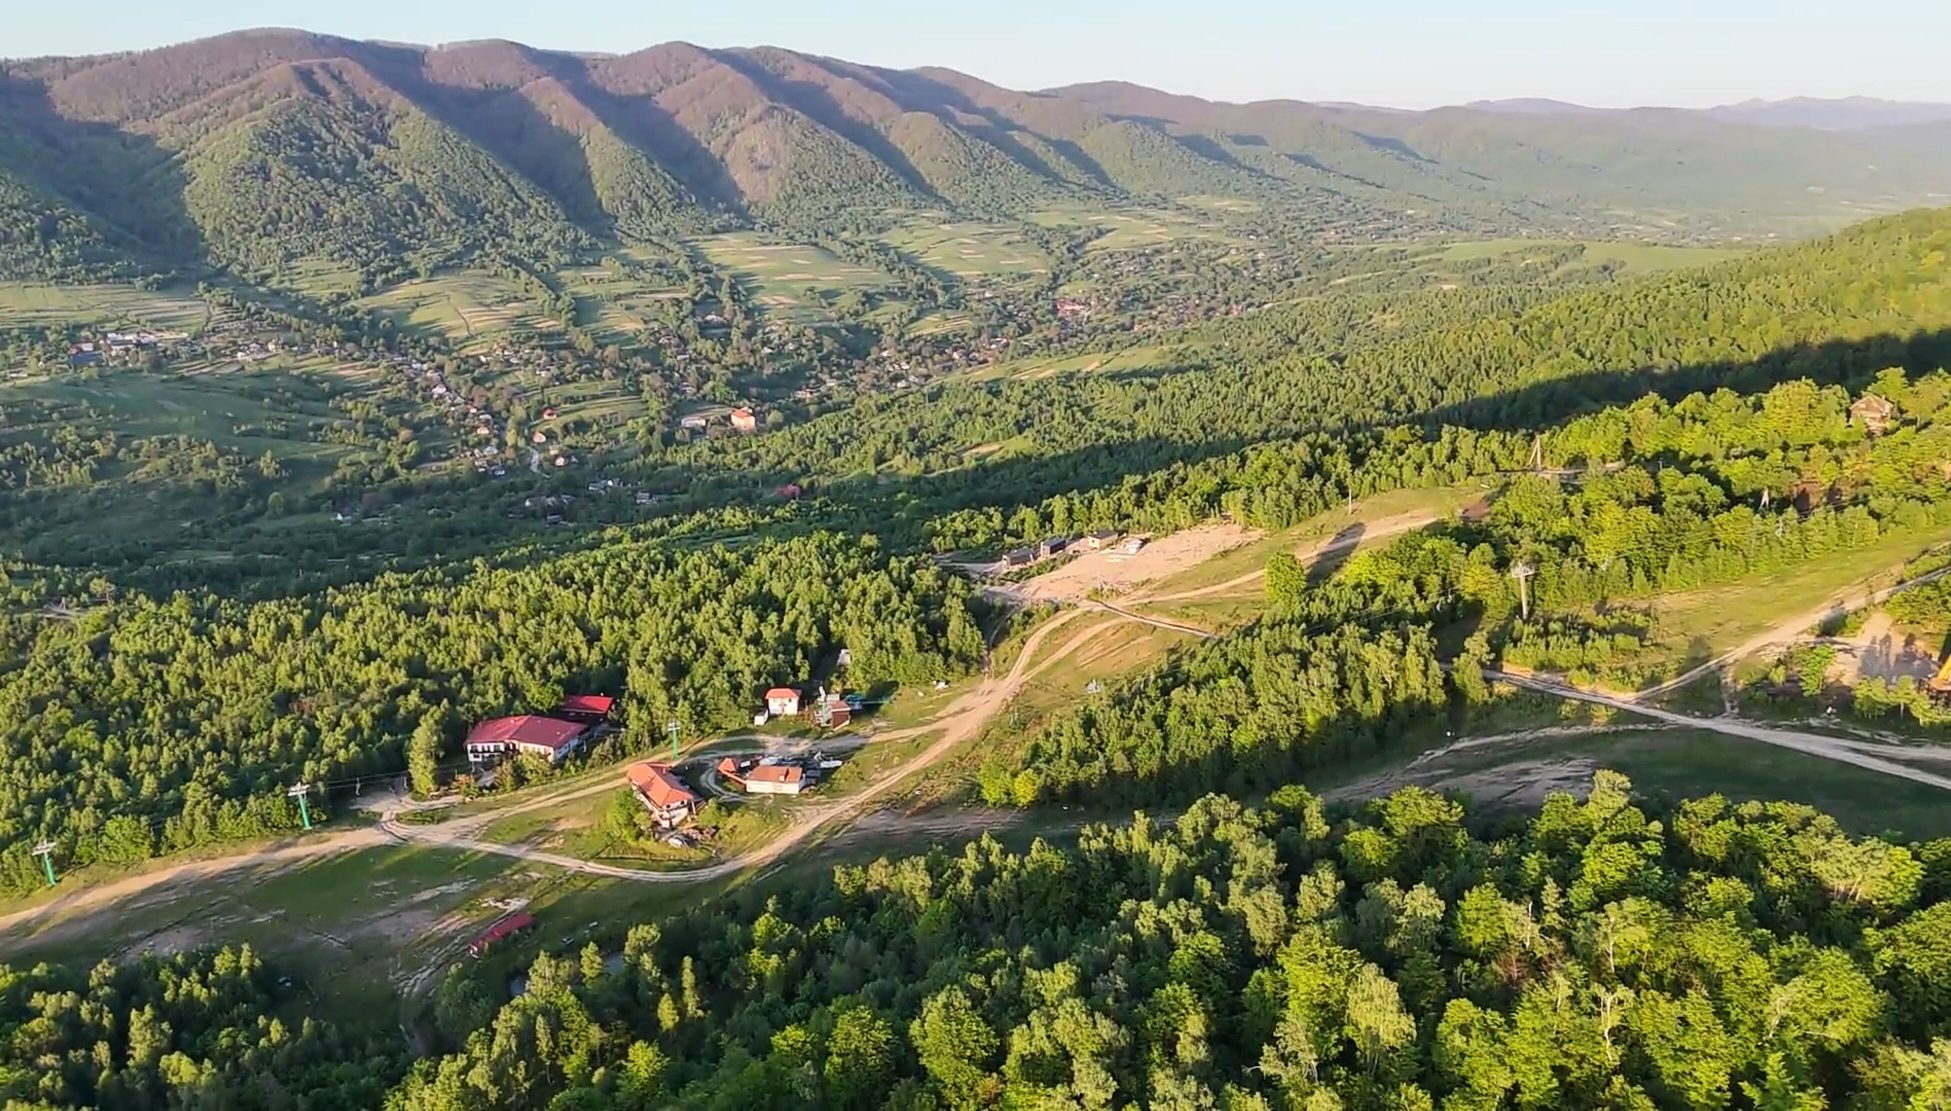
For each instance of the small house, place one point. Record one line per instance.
(782, 701)
(775, 779)
(695, 422)
(506, 928)
(1052, 546)
(838, 714)
(1102, 539)
(663, 794)
(587, 708)
(744, 420)
(1873, 414)
(1019, 557)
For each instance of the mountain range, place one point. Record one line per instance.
(252, 151)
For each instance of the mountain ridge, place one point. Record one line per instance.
(541, 150)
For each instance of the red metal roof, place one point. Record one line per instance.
(729, 767)
(775, 773)
(526, 729)
(513, 924)
(587, 703)
(781, 692)
(656, 784)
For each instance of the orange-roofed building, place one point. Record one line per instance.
(669, 801)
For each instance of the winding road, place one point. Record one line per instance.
(958, 723)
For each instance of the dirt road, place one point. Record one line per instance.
(958, 723)
(1792, 629)
(1333, 545)
(1810, 744)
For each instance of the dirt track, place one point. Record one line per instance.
(959, 722)
(1333, 545)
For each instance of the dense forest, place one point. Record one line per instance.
(1407, 956)
(1839, 310)
(212, 1029)
(1666, 497)
(142, 726)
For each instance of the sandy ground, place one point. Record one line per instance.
(1309, 553)
(1117, 573)
(1880, 650)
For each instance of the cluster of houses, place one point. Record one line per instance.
(775, 775)
(828, 711)
(742, 420)
(1102, 540)
(118, 346)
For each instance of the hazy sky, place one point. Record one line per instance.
(1412, 53)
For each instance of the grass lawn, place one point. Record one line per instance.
(464, 307)
(28, 303)
(969, 249)
(1715, 619)
(777, 274)
(1673, 764)
(1633, 258)
(1246, 601)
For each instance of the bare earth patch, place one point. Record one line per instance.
(1117, 573)
(1880, 650)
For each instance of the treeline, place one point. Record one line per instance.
(1597, 955)
(1835, 311)
(1665, 505)
(146, 725)
(209, 1029)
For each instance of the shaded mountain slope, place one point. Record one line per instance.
(250, 150)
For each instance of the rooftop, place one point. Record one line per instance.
(527, 729)
(587, 703)
(657, 784)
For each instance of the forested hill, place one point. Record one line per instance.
(1251, 959)
(1838, 309)
(254, 149)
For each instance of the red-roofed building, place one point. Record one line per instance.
(506, 928)
(590, 708)
(730, 768)
(525, 735)
(782, 701)
(775, 779)
(745, 420)
(669, 801)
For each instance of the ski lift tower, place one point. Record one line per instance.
(45, 850)
(1522, 572)
(299, 792)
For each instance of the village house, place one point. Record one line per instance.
(1102, 538)
(744, 420)
(506, 928)
(1052, 546)
(669, 801)
(590, 709)
(775, 779)
(1019, 557)
(695, 421)
(1873, 414)
(525, 735)
(835, 713)
(782, 701)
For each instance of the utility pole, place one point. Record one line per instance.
(672, 729)
(1538, 452)
(299, 792)
(1522, 572)
(45, 850)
